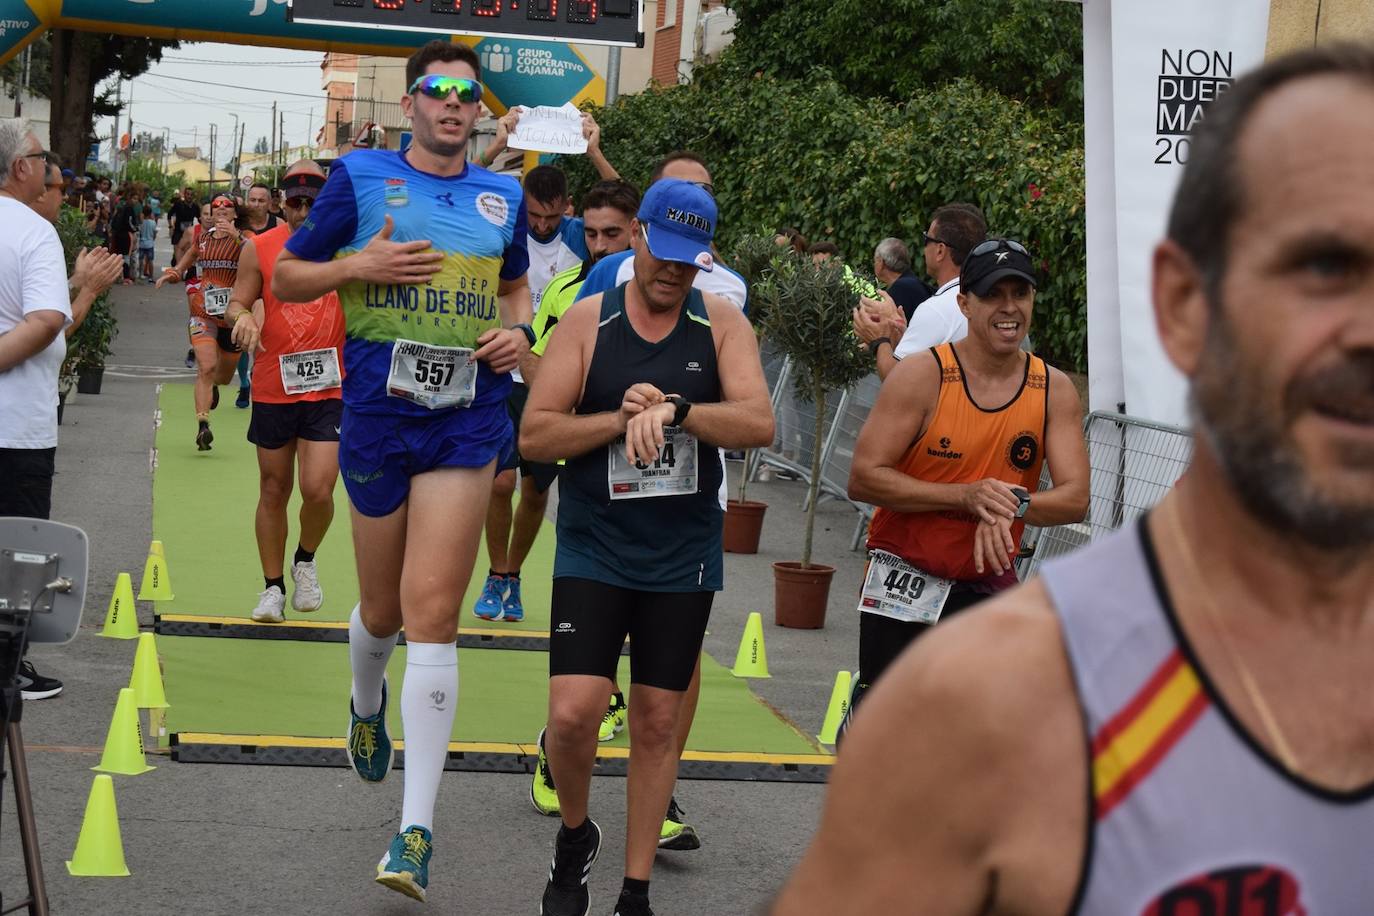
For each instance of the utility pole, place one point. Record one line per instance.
(131, 124)
(114, 134)
(238, 158)
(212, 160)
(281, 134)
(272, 160)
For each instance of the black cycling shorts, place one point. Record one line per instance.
(882, 639)
(542, 474)
(274, 425)
(590, 620)
(225, 338)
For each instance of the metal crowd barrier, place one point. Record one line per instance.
(1135, 464)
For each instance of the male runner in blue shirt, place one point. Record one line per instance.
(427, 253)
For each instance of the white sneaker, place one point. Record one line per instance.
(270, 605)
(307, 594)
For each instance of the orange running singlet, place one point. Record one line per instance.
(965, 443)
(289, 327)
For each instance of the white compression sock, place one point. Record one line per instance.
(367, 655)
(429, 697)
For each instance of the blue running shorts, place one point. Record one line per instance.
(379, 453)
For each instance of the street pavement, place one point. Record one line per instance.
(228, 839)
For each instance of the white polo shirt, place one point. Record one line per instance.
(936, 321)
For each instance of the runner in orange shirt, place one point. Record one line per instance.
(215, 255)
(951, 455)
(297, 402)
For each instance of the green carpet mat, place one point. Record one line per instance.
(203, 507)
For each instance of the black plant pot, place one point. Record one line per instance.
(61, 402)
(88, 380)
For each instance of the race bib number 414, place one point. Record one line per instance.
(894, 588)
(672, 473)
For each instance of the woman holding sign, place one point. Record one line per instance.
(216, 257)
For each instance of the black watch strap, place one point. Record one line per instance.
(681, 407)
(528, 332)
(873, 345)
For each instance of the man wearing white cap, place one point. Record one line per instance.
(639, 387)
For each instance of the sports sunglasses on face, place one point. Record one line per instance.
(440, 87)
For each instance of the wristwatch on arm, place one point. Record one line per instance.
(527, 331)
(681, 405)
(873, 345)
(1023, 500)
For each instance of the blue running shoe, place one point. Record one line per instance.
(369, 746)
(405, 867)
(511, 609)
(489, 604)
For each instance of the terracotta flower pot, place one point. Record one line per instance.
(743, 525)
(800, 594)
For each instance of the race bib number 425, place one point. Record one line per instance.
(310, 370)
(894, 588)
(672, 473)
(431, 376)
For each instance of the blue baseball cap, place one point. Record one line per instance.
(679, 221)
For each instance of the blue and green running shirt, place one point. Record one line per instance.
(476, 219)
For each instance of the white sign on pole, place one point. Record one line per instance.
(1168, 59)
(246, 182)
(546, 129)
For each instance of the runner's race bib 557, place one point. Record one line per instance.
(431, 376)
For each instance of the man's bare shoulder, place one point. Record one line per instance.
(723, 312)
(986, 811)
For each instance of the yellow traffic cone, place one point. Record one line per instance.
(752, 659)
(839, 705)
(146, 679)
(121, 622)
(157, 582)
(124, 743)
(99, 849)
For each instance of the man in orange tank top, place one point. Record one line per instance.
(297, 402)
(951, 455)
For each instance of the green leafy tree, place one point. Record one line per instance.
(1031, 50)
(80, 62)
(856, 169)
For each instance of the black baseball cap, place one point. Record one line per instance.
(992, 260)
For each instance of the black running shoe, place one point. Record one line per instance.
(203, 438)
(632, 905)
(34, 686)
(243, 400)
(566, 893)
(214, 396)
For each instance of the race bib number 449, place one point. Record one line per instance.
(672, 473)
(432, 377)
(894, 588)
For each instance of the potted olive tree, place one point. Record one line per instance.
(752, 259)
(91, 343)
(808, 312)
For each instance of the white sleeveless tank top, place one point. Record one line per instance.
(1190, 816)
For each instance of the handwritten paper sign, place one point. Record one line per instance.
(546, 129)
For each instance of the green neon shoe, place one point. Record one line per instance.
(676, 833)
(543, 795)
(369, 746)
(613, 722)
(405, 867)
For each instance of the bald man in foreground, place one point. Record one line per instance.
(1176, 719)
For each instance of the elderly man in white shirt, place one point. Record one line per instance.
(954, 230)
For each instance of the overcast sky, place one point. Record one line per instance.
(232, 80)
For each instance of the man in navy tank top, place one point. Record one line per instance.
(639, 389)
(1176, 719)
